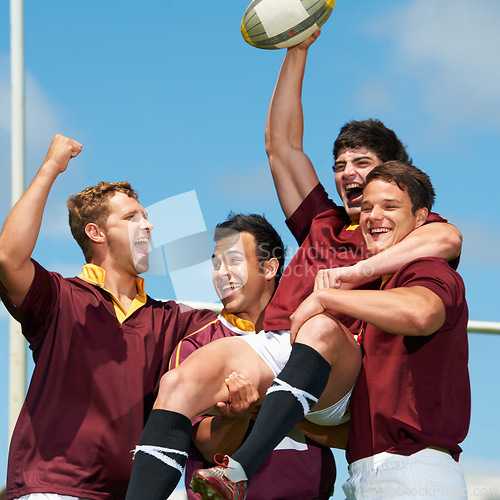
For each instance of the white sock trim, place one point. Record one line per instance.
(235, 471)
(160, 453)
(298, 393)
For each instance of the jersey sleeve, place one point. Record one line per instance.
(436, 275)
(315, 203)
(34, 312)
(199, 332)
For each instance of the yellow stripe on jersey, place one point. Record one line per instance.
(242, 324)
(176, 354)
(446, 220)
(352, 227)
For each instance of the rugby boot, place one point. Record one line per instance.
(214, 483)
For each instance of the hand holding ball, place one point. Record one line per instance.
(278, 24)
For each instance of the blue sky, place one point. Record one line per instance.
(170, 97)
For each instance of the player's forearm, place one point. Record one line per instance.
(219, 435)
(430, 240)
(22, 225)
(404, 311)
(285, 117)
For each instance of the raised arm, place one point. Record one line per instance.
(430, 240)
(293, 173)
(22, 225)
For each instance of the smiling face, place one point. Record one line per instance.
(386, 215)
(243, 284)
(128, 234)
(351, 168)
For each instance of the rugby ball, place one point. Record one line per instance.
(278, 24)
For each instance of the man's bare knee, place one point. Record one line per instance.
(324, 333)
(322, 327)
(169, 383)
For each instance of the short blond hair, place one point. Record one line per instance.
(92, 206)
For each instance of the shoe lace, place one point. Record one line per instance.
(223, 464)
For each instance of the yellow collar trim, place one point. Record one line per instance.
(242, 324)
(95, 275)
(352, 227)
(385, 280)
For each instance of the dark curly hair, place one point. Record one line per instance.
(267, 241)
(373, 135)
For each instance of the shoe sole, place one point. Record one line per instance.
(206, 491)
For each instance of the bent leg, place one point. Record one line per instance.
(198, 384)
(330, 338)
(189, 390)
(324, 356)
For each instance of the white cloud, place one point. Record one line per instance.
(41, 115)
(482, 476)
(55, 219)
(479, 466)
(41, 120)
(451, 48)
(66, 269)
(480, 244)
(372, 98)
(257, 181)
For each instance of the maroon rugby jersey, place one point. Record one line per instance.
(92, 386)
(299, 469)
(327, 239)
(414, 392)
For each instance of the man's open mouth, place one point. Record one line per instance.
(142, 244)
(353, 191)
(229, 288)
(379, 230)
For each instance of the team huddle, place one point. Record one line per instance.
(360, 343)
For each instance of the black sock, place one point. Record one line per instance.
(295, 390)
(160, 456)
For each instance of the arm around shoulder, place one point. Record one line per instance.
(412, 311)
(438, 239)
(442, 239)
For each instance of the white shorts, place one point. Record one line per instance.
(333, 415)
(275, 348)
(426, 474)
(47, 496)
